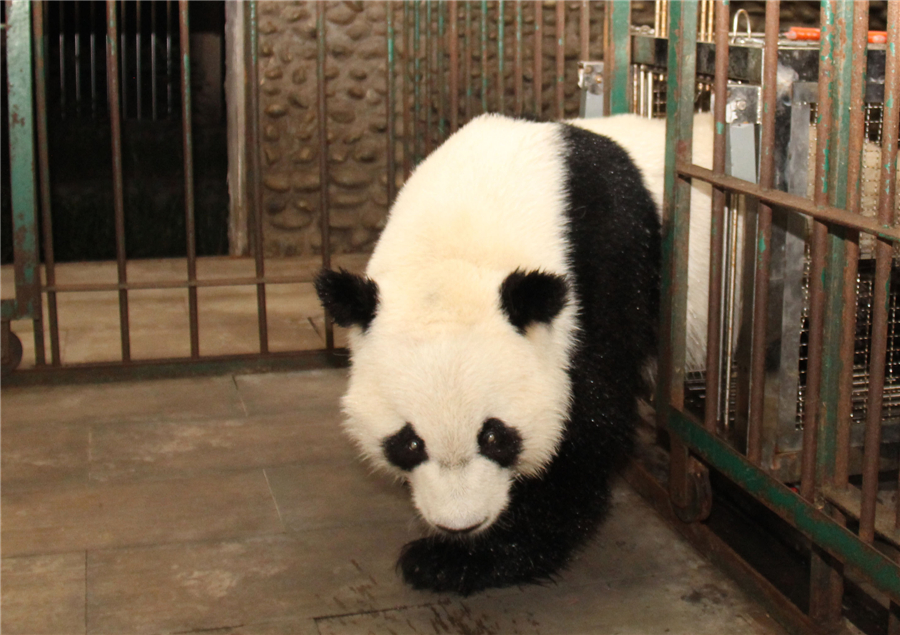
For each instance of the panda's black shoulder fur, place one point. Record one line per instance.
(614, 256)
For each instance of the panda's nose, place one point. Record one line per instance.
(460, 532)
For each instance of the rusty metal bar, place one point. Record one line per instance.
(390, 107)
(501, 80)
(407, 118)
(115, 115)
(93, 48)
(484, 55)
(321, 116)
(467, 43)
(123, 51)
(188, 145)
(881, 300)
(560, 60)
(454, 65)
(717, 226)
(77, 43)
(822, 212)
(681, 63)
(255, 163)
(428, 78)
(169, 57)
(841, 469)
(764, 231)
(538, 80)
(417, 80)
(585, 30)
(442, 82)
(62, 59)
(137, 58)
(43, 151)
(817, 257)
(90, 287)
(153, 93)
(519, 79)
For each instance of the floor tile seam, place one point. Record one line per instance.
(274, 500)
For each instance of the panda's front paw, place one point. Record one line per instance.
(443, 565)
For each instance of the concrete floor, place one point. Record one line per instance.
(234, 505)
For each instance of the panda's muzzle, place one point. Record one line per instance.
(460, 532)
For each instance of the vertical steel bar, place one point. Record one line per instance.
(417, 80)
(501, 79)
(585, 30)
(322, 115)
(617, 62)
(817, 255)
(123, 52)
(390, 108)
(717, 225)
(468, 66)
(188, 146)
(538, 58)
(764, 236)
(560, 60)
(169, 58)
(881, 286)
(137, 53)
(40, 95)
(484, 55)
(407, 116)
(255, 164)
(454, 65)
(428, 78)
(682, 61)
(153, 96)
(93, 44)
(441, 75)
(520, 88)
(62, 59)
(77, 43)
(20, 120)
(115, 118)
(841, 470)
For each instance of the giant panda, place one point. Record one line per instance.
(499, 339)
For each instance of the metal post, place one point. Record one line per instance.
(389, 108)
(538, 58)
(322, 117)
(255, 163)
(617, 62)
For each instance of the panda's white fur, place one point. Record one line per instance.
(440, 354)
(438, 265)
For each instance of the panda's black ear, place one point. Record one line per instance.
(536, 296)
(351, 299)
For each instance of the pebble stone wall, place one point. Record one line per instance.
(356, 109)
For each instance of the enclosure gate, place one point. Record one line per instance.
(443, 62)
(824, 506)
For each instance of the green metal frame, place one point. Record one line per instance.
(687, 432)
(27, 303)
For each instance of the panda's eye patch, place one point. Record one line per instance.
(405, 449)
(499, 443)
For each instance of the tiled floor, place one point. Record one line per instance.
(234, 505)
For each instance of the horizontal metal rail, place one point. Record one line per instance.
(173, 284)
(802, 514)
(805, 206)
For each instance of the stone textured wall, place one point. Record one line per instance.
(356, 107)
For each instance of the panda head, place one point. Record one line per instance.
(459, 410)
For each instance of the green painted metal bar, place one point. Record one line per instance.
(538, 81)
(558, 85)
(428, 78)
(836, 255)
(407, 112)
(501, 80)
(520, 29)
(682, 63)
(617, 61)
(805, 516)
(442, 84)
(21, 155)
(467, 45)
